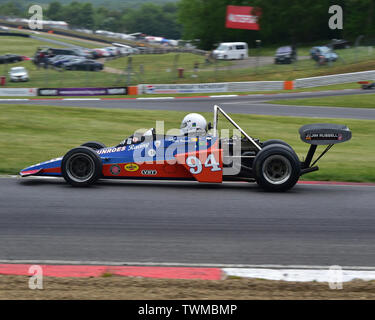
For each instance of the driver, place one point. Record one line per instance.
(194, 124)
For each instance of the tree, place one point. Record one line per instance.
(55, 11)
(153, 20)
(205, 20)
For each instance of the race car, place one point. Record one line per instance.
(199, 153)
(366, 85)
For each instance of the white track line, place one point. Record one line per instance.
(81, 99)
(224, 96)
(156, 98)
(301, 275)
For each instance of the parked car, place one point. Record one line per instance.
(113, 51)
(62, 51)
(58, 61)
(10, 58)
(18, 74)
(323, 54)
(339, 44)
(83, 64)
(231, 50)
(102, 53)
(286, 54)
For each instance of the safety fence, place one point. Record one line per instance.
(195, 87)
(334, 79)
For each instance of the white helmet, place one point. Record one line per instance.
(193, 123)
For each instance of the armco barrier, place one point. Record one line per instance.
(182, 88)
(334, 79)
(18, 92)
(82, 91)
(255, 86)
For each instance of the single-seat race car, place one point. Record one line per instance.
(273, 164)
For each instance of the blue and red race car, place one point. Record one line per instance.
(211, 158)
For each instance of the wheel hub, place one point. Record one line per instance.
(277, 169)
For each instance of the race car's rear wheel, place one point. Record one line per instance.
(94, 145)
(276, 168)
(278, 141)
(275, 141)
(81, 166)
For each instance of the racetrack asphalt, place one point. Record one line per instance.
(248, 104)
(186, 222)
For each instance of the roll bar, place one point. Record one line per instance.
(217, 109)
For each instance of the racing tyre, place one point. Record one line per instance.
(81, 166)
(278, 141)
(276, 168)
(275, 141)
(94, 145)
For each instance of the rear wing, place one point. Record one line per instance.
(321, 134)
(324, 133)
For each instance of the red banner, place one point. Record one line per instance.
(240, 17)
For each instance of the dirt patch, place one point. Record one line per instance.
(125, 288)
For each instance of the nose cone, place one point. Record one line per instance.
(26, 172)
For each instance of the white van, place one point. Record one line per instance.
(231, 50)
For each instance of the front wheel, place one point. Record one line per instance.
(94, 145)
(81, 166)
(276, 168)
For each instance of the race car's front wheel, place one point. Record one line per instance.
(94, 145)
(276, 168)
(81, 166)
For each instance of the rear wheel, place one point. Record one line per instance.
(81, 166)
(275, 141)
(94, 145)
(276, 168)
(278, 141)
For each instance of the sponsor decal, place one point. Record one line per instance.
(115, 169)
(19, 92)
(242, 17)
(151, 152)
(110, 150)
(186, 88)
(132, 167)
(323, 136)
(140, 146)
(81, 91)
(149, 172)
(116, 90)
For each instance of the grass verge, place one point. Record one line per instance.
(31, 134)
(130, 288)
(354, 101)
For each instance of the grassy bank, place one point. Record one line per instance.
(354, 101)
(161, 68)
(30, 134)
